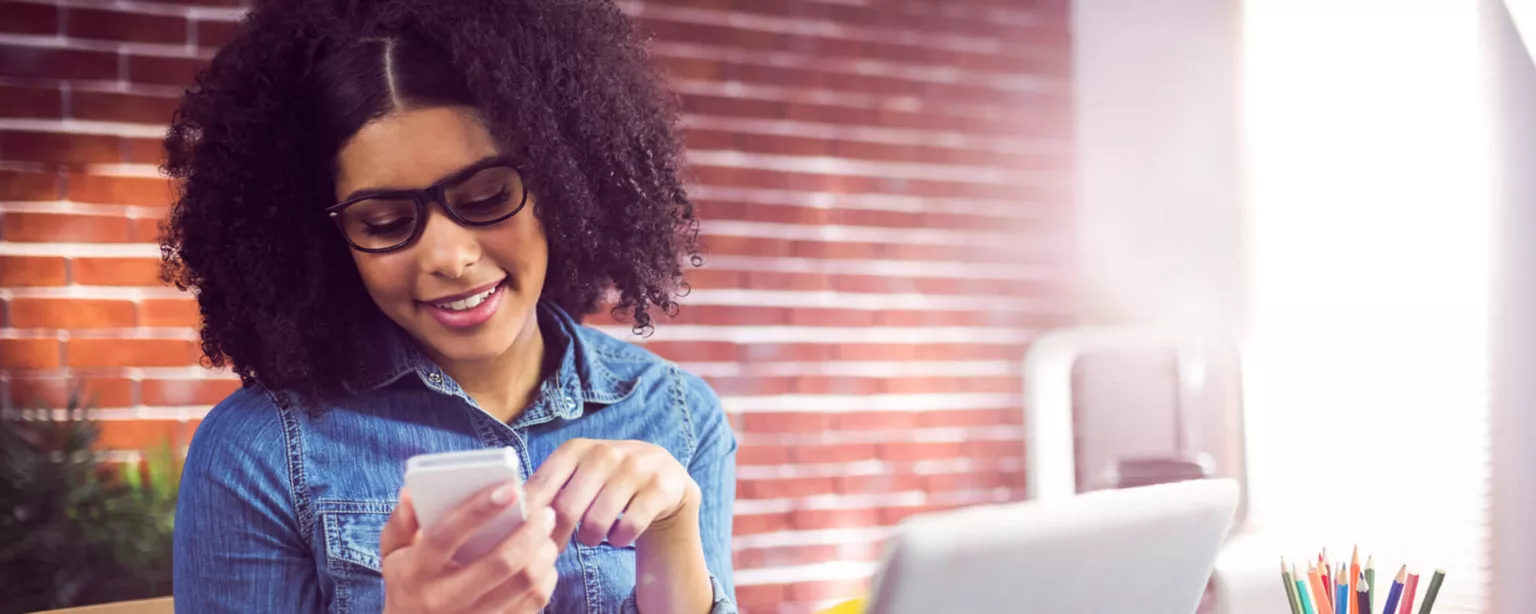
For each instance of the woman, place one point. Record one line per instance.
(394, 215)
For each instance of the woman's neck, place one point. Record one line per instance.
(506, 384)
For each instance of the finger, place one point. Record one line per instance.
(505, 589)
(510, 558)
(545, 483)
(400, 529)
(443, 539)
(642, 511)
(605, 510)
(581, 491)
(534, 600)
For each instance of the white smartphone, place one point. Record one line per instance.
(438, 482)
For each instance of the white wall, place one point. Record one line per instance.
(1514, 324)
(1159, 212)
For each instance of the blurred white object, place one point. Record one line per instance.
(1140, 550)
(1245, 579)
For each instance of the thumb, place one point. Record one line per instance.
(401, 528)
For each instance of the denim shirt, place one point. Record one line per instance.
(280, 509)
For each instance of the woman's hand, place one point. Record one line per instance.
(590, 483)
(421, 576)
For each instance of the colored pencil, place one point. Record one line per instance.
(1370, 581)
(1302, 595)
(1290, 587)
(1396, 592)
(1432, 592)
(1363, 596)
(1325, 569)
(1319, 591)
(1410, 588)
(1354, 580)
(1341, 590)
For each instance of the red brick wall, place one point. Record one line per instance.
(885, 189)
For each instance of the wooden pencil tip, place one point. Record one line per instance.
(1402, 573)
(1364, 587)
(1439, 571)
(1370, 562)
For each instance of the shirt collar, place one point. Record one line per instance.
(581, 377)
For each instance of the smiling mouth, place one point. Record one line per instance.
(472, 301)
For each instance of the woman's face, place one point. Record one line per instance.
(431, 287)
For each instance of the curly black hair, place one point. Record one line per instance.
(565, 87)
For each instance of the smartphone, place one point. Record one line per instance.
(438, 482)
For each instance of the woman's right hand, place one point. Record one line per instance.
(420, 575)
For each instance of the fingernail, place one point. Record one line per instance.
(549, 518)
(502, 495)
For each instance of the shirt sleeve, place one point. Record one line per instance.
(713, 467)
(238, 542)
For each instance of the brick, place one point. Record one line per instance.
(823, 384)
(29, 353)
(711, 278)
(973, 480)
(61, 148)
(875, 421)
(812, 520)
(144, 191)
(169, 312)
(29, 18)
(760, 523)
(68, 313)
(143, 151)
(919, 450)
(786, 422)
(832, 590)
(819, 316)
(729, 315)
(760, 454)
(833, 453)
(54, 392)
(115, 271)
(144, 229)
(45, 63)
(784, 488)
(63, 227)
(784, 145)
(30, 271)
(26, 185)
(774, 280)
(884, 483)
(111, 106)
(198, 392)
(142, 434)
(760, 597)
(131, 352)
(211, 33)
(706, 351)
(39, 102)
(163, 71)
(125, 27)
(731, 106)
(972, 417)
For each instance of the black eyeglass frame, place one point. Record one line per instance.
(438, 193)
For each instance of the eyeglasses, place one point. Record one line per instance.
(483, 194)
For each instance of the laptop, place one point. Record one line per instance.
(1143, 550)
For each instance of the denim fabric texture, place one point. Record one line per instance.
(281, 509)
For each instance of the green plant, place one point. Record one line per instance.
(75, 529)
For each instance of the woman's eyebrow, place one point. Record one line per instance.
(367, 192)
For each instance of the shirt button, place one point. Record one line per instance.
(435, 378)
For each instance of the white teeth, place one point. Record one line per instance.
(468, 303)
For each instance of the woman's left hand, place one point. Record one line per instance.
(591, 482)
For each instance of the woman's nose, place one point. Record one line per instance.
(445, 248)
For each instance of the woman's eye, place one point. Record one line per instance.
(386, 227)
(485, 204)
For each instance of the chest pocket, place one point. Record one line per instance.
(352, 530)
